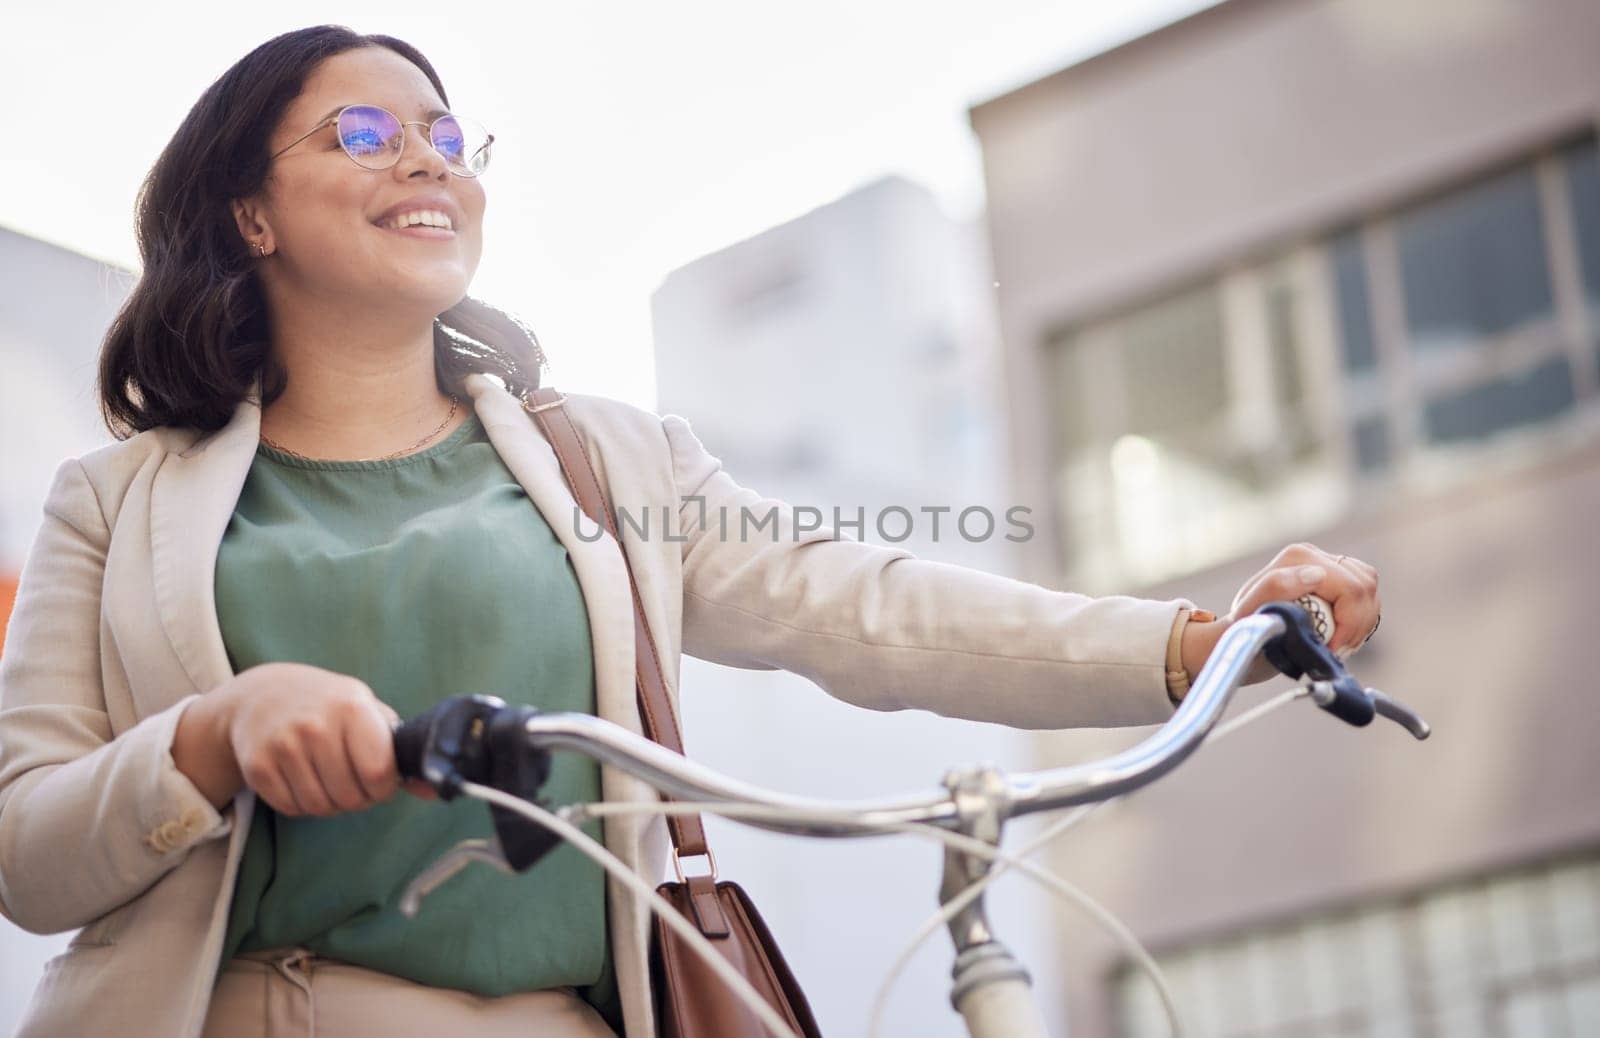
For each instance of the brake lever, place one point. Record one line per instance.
(1401, 714)
(451, 862)
(1300, 652)
(1323, 693)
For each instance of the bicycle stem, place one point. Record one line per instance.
(989, 987)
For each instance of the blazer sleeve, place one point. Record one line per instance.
(881, 628)
(88, 821)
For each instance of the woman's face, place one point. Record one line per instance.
(319, 213)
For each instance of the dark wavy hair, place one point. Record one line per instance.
(192, 336)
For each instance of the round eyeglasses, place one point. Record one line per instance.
(373, 137)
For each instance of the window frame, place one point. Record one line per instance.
(1392, 394)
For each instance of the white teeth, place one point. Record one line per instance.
(426, 217)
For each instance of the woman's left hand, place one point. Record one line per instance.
(1346, 583)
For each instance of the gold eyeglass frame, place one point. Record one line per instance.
(333, 120)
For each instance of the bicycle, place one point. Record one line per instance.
(477, 745)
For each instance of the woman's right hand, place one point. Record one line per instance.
(311, 741)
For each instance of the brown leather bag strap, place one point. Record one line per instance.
(655, 706)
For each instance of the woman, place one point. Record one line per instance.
(328, 508)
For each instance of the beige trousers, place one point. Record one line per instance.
(294, 993)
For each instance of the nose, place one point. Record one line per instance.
(426, 154)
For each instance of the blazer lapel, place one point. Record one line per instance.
(191, 501)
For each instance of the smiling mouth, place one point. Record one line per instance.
(436, 222)
(419, 230)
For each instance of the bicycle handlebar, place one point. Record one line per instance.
(481, 739)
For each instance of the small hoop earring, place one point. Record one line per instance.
(261, 251)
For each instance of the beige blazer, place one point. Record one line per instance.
(114, 633)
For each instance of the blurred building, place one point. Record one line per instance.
(1329, 270)
(846, 360)
(55, 306)
(849, 351)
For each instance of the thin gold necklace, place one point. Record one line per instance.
(454, 403)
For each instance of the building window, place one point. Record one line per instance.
(1141, 421)
(1481, 325)
(1514, 954)
(1478, 339)
(1198, 426)
(1473, 264)
(1183, 432)
(1173, 378)
(1296, 431)
(1502, 403)
(1355, 312)
(1582, 162)
(1363, 397)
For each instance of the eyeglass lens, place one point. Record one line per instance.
(374, 138)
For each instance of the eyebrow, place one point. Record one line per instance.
(433, 113)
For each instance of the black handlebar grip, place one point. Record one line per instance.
(444, 744)
(410, 740)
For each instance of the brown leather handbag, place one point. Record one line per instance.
(691, 1001)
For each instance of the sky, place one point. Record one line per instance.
(631, 138)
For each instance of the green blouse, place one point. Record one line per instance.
(424, 576)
